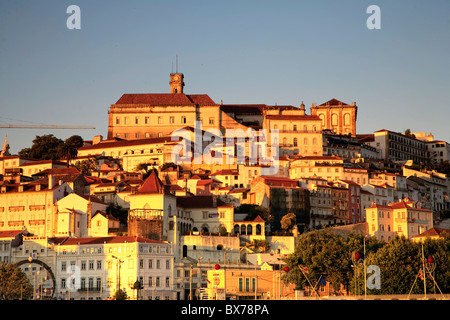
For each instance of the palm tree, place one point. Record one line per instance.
(69, 149)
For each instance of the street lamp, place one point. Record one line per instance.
(119, 262)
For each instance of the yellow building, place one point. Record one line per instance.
(337, 116)
(330, 168)
(402, 218)
(297, 132)
(31, 206)
(250, 283)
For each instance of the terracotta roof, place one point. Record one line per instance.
(58, 171)
(433, 232)
(225, 172)
(100, 240)
(199, 202)
(333, 102)
(151, 185)
(243, 108)
(292, 117)
(127, 143)
(39, 162)
(158, 99)
(9, 233)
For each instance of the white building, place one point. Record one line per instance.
(95, 268)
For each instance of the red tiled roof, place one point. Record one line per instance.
(152, 184)
(58, 171)
(39, 162)
(291, 117)
(158, 99)
(333, 102)
(199, 202)
(127, 143)
(9, 233)
(100, 240)
(433, 232)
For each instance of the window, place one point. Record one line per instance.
(172, 120)
(295, 142)
(183, 119)
(117, 120)
(160, 120)
(211, 120)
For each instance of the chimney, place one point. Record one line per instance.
(89, 213)
(214, 200)
(97, 139)
(51, 181)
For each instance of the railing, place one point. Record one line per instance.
(16, 208)
(36, 207)
(146, 213)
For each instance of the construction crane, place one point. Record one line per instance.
(42, 126)
(38, 125)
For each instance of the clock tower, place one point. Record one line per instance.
(176, 82)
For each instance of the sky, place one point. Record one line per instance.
(268, 52)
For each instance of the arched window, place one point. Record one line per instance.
(236, 229)
(243, 229)
(334, 119)
(219, 247)
(258, 229)
(346, 119)
(249, 230)
(305, 141)
(314, 141)
(322, 117)
(284, 141)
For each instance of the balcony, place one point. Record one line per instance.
(151, 214)
(16, 208)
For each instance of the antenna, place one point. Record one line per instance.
(177, 64)
(172, 66)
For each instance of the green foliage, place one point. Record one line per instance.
(69, 149)
(118, 212)
(48, 147)
(120, 295)
(86, 166)
(44, 147)
(14, 283)
(253, 211)
(288, 221)
(330, 255)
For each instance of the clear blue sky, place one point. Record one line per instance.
(237, 51)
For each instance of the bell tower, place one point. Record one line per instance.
(176, 82)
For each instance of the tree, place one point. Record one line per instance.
(288, 221)
(44, 148)
(120, 295)
(118, 212)
(69, 149)
(14, 283)
(327, 254)
(86, 166)
(409, 134)
(253, 211)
